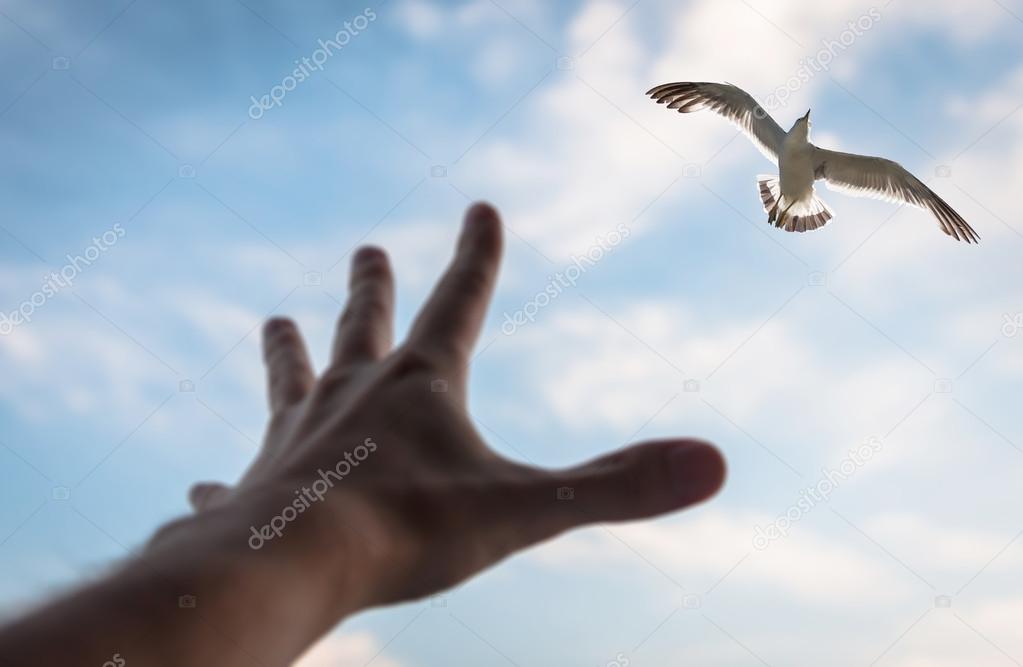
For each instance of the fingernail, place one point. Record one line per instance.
(697, 471)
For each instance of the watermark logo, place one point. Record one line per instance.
(564, 279)
(815, 494)
(62, 279)
(308, 495)
(1012, 324)
(308, 65)
(821, 61)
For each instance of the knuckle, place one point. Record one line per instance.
(370, 276)
(373, 308)
(288, 389)
(635, 480)
(334, 380)
(284, 362)
(363, 308)
(372, 270)
(283, 346)
(472, 278)
(412, 360)
(619, 471)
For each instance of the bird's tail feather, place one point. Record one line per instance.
(770, 191)
(794, 218)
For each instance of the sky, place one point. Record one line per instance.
(862, 380)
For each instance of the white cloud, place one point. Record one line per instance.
(76, 360)
(496, 63)
(703, 549)
(422, 19)
(943, 549)
(357, 648)
(595, 374)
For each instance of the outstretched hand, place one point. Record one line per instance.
(372, 487)
(401, 497)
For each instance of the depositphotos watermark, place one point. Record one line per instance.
(562, 280)
(818, 493)
(62, 279)
(314, 493)
(821, 61)
(312, 63)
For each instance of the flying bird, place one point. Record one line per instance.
(789, 199)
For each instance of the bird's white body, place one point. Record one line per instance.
(789, 198)
(795, 170)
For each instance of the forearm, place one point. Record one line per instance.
(197, 596)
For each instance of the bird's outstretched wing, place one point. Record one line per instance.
(876, 177)
(733, 103)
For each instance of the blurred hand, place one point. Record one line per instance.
(372, 487)
(393, 493)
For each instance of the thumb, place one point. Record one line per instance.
(635, 483)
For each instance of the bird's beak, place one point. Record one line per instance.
(807, 116)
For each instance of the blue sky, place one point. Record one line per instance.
(794, 348)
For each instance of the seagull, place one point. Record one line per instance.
(789, 199)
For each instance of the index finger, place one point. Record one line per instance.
(451, 320)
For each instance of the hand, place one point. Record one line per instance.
(371, 488)
(414, 500)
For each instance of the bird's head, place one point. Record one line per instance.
(803, 124)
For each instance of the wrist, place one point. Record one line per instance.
(198, 594)
(280, 594)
